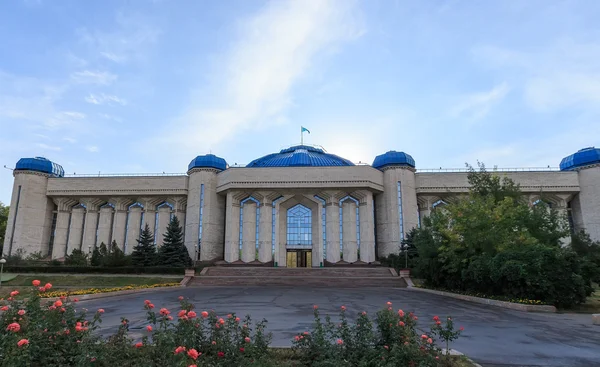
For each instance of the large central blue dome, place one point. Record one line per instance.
(300, 156)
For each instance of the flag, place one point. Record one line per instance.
(304, 129)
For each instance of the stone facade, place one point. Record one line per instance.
(357, 213)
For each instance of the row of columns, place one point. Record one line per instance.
(265, 228)
(83, 224)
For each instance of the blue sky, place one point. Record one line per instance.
(145, 86)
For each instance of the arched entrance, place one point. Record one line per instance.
(299, 237)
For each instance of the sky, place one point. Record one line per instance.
(146, 86)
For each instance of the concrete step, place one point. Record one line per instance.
(299, 277)
(299, 272)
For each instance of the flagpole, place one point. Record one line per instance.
(301, 136)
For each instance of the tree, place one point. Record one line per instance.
(173, 251)
(77, 258)
(114, 256)
(144, 253)
(97, 259)
(3, 222)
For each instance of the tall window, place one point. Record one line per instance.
(324, 221)
(200, 220)
(273, 214)
(400, 219)
(299, 227)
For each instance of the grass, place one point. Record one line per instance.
(591, 305)
(22, 283)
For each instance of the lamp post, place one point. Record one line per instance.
(2, 262)
(404, 247)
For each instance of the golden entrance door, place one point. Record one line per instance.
(299, 259)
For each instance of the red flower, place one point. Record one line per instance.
(100, 310)
(14, 293)
(343, 308)
(170, 318)
(429, 340)
(181, 313)
(386, 347)
(247, 339)
(221, 321)
(436, 318)
(193, 354)
(340, 342)
(36, 283)
(139, 345)
(75, 299)
(229, 316)
(220, 354)
(151, 305)
(462, 328)
(237, 319)
(4, 308)
(242, 349)
(192, 365)
(149, 328)
(164, 311)
(191, 314)
(14, 327)
(424, 336)
(58, 303)
(22, 342)
(180, 298)
(179, 349)
(389, 303)
(401, 323)
(315, 307)
(21, 312)
(400, 313)
(204, 314)
(297, 338)
(438, 323)
(48, 286)
(147, 302)
(42, 289)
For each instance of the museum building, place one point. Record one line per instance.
(300, 207)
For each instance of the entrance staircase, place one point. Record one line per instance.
(347, 277)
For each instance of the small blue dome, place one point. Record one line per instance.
(583, 157)
(208, 161)
(300, 156)
(40, 164)
(393, 158)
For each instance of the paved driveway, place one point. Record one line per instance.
(493, 336)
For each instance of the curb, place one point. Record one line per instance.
(454, 352)
(89, 297)
(596, 319)
(491, 302)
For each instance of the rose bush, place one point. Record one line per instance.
(37, 332)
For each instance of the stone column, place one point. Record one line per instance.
(349, 231)
(61, 232)
(76, 230)
(91, 224)
(367, 229)
(265, 235)
(134, 221)
(164, 217)
(249, 231)
(425, 203)
(332, 214)
(105, 225)
(120, 221)
(232, 229)
(150, 214)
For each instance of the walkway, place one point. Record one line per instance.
(493, 336)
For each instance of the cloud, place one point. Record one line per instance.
(113, 57)
(48, 147)
(253, 86)
(563, 75)
(70, 140)
(104, 99)
(476, 106)
(93, 77)
(92, 148)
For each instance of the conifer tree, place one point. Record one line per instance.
(173, 251)
(144, 253)
(96, 259)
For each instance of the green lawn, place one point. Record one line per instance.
(22, 283)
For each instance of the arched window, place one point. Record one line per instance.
(299, 227)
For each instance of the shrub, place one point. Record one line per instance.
(77, 258)
(95, 269)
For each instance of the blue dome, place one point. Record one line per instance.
(393, 158)
(300, 156)
(583, 157)
(208, 161)
(40, 164)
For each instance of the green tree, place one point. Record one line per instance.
(96, 259)
(77, 258)
(114, 256)
(3, 222)
(144, 253)
(173, 251)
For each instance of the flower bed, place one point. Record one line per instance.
(522, 301)
(56, 334)
(80, 292)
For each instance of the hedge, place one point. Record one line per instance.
(94, 269)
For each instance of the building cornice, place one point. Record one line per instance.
(16, 172)
(203, 169)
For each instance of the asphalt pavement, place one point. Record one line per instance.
(493, 336)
